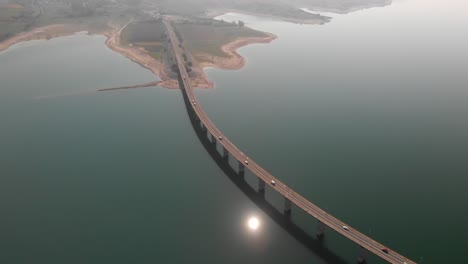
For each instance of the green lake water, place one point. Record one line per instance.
(366, 116)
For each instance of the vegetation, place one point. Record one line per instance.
(145, 31)
(150, 35)
(272, 8)
(15, 18)
(22, 15)
(156, 49)
(199, 35)
(282, 8)
(205, 38)
(93, 15)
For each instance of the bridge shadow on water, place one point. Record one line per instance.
(311, 242)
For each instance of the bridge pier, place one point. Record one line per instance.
(196, 117)
(287, 207)
(261, 186)
(320, 230)
(194, 114)
(241, 169)
(203, 127)
(362, 257)
(225, 153)
(211, 138)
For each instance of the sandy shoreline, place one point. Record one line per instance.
(46, 32)
(139, 55)
(235, 61)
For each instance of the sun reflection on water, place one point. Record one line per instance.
(253, 223)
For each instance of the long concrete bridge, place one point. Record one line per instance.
(265, 178)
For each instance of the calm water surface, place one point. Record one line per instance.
(366, 116)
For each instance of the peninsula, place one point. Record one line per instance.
(134, 28)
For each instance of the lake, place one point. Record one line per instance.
(364, 116)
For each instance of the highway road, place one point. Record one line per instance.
(301, 202)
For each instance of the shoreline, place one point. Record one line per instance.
(42, 33)
(233, 61)
(213, 13)
(140, 56)
(318, 10)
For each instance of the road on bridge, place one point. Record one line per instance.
(322, 216)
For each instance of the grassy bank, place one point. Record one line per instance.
(14, 19)
(208, 39)
(147, 34)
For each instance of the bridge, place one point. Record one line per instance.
(264, 178)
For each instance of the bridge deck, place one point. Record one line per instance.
(329, 220)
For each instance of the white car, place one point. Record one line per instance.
(273, 183)
(246, 162)
(346, 228)
(220, 138)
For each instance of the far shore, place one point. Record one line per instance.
(233, 61)
(213, 13)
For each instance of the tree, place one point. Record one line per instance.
(79, 9)
(241, 23)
